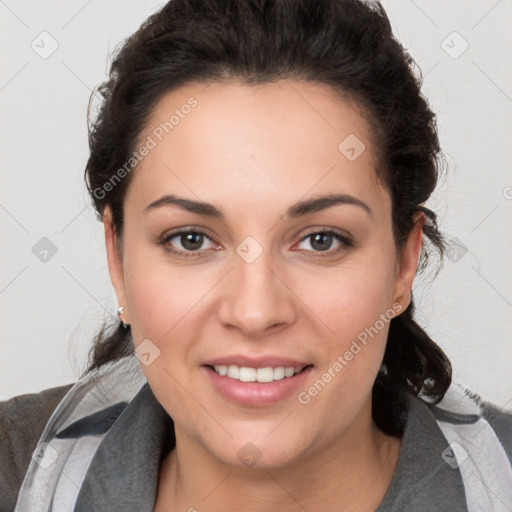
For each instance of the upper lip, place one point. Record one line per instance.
(256, 362)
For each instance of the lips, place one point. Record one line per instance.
(256, 381)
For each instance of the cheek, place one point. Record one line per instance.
(352, 297)
(163, 302)
(350, 362)
(356, 304)
(160, 295)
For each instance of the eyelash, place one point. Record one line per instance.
(345, 241)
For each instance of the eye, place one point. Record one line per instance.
(191, 242)
(321, 241)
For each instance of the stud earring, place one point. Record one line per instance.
(120, 311)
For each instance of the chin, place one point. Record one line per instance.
(256, 449)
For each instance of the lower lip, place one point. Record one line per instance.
(256, 393)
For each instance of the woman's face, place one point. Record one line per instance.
(253, 287)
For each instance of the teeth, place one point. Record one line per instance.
(265, 374)
(279, 373)
(233, 371)
(288, 372)
(247, 374)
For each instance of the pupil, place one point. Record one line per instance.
(320, 237)
(187, 240)
(193, 241)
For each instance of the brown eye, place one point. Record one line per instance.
(322, 241)
(190, 243)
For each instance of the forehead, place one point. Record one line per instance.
(273, 142)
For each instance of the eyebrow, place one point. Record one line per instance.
(298, 209)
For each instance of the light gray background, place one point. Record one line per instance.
(50, 310)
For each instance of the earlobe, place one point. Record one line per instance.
(410, 255)
(115, 265)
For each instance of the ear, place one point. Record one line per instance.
(115, 264)
(408, 262)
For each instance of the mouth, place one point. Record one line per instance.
(257, 387)
(250, 374)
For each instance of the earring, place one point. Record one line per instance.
(120, 311)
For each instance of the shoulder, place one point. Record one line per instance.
(463, 406)
(22, 421)
(498, 418)
(453, 452)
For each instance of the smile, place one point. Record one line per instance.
(256, 387)
(248, 374)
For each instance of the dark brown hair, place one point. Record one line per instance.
(347, 45)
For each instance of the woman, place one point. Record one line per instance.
(261, 170)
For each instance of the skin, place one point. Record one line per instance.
(253, 151)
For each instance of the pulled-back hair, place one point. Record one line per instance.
(346, 45)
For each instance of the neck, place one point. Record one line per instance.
(351, 473)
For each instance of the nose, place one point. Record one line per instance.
(256, 298)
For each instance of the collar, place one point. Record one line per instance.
(423, 480)
(103, 446)
(124, 472)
